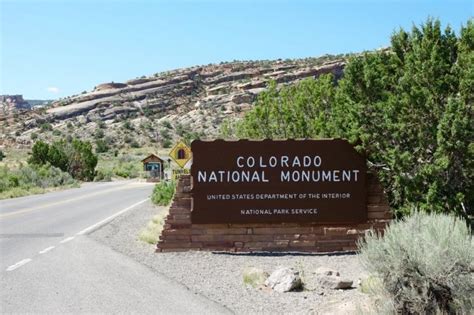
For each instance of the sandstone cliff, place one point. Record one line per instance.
(13, 103)
(165, 106)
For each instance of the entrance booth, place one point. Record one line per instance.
(154, 167)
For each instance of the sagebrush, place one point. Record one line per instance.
(163, 193)
(425, 262)
(29, 179)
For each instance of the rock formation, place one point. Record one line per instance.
(13, 103)
(167, 105)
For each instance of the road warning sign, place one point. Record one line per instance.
(181, 154)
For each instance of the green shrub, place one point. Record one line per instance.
(134, 144)
(101, 146)
(101, 124)
(99, 134)
(167, 143)
(75, 157)
(167, 124)
(163, 193)
(103, 175)
(2, 155)
(426, 263)
(127, 125)
(127, 169)
(28, 179)
(46, 127)
(39, 153)
(127, 139)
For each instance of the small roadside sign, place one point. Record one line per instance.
(181, 154)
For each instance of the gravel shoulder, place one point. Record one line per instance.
(218, 276)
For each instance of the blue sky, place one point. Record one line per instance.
(54, 48)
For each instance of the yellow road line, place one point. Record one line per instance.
(128, 186)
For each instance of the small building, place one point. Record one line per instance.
(154, 166)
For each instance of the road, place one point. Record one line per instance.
(49, 265)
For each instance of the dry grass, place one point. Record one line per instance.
(152, 231)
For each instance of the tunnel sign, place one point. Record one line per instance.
(181, 154)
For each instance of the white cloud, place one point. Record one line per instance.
(53, 89)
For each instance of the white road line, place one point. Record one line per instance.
(47, 249)
(67, 240)
(106, 220)
(19, 264)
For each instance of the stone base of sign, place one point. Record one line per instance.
(179, 234)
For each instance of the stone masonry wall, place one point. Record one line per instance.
(179, 234)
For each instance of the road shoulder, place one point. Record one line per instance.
(218, 276)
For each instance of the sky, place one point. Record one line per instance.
(51, 48)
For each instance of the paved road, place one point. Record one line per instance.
(49, 265)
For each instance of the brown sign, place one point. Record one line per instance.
(311, 181)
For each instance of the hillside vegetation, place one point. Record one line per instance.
(408, 109)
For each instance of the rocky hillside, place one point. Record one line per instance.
(12, 103)
(158, 109)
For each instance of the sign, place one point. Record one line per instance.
(178, 172)
(310, 181)
(181, 154)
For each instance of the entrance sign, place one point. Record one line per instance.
(181, 154)
(310, 181)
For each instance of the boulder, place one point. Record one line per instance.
(284, 280)
(335, 282)
(254, 277)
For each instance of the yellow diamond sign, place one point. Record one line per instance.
(181, 154)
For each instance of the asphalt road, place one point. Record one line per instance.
(49, 265)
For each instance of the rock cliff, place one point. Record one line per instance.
(13, 103)
(165, 106)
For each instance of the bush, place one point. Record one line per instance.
(103, 175)
(101, 146)
(75, 157)
(31, 179)
(46, 127)
(127, 169)
(134, 144)
(127, 125)
(167, 143)
(99, 134)
(163, 193)
(426, 263)
(39, 153)
(2, 155)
